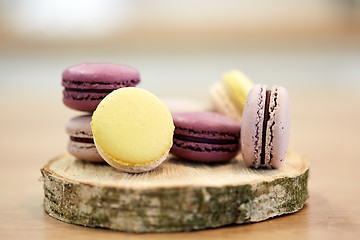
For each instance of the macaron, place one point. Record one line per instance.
(228, 97)
(86, 84)
(81, 143)
(133, 130)
(265, 127)
(205, 136)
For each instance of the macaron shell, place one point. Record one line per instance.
(222, 103)
(252, 126)
(79, 127)
(82, 101)
(133, 128)
(205, 136)
(203, 152)
(237, 86)
(87, 84)
(100, 76)
(205, 122)
(133, 169)
(84, 151)
(278, 128)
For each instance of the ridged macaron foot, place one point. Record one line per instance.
(205, 136)
(81, 143)
(229, 96)
(133, 130)
(265, 127)
(86, 84)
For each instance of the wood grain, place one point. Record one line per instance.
(178, 195)
(174, 173)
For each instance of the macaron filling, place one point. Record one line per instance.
(205, 147)
(89, 90)
(205, 140)
(267, 133)
(77, 90)
(81, 143)
(265, 123)
(82, 140)
(97, 86)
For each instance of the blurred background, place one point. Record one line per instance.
(182, 47)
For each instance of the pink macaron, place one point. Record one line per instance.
(81, 142)
(205, 136)
(265, 127)
(86, 84)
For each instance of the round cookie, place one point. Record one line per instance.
(81, 143)
(133, 130)
(265, 127)
(205, 136)
(86, 84)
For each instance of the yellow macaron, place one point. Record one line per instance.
(133, 130)
(229, 96)
(237, 86)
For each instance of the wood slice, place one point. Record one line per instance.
(177, 196)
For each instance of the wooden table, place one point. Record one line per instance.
(324, 128)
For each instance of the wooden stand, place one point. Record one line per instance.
(177, 196)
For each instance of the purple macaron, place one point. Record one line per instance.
(265, 127)
(87, 84)
(81, 142)
(205, 137)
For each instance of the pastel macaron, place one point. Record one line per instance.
(205, 137)
(86, 84)
(133, 130)
(229, 96)
(81, 143)
(265, 127)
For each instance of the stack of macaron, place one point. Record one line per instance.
(129, 128)
(85, 86)
(134, 131)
